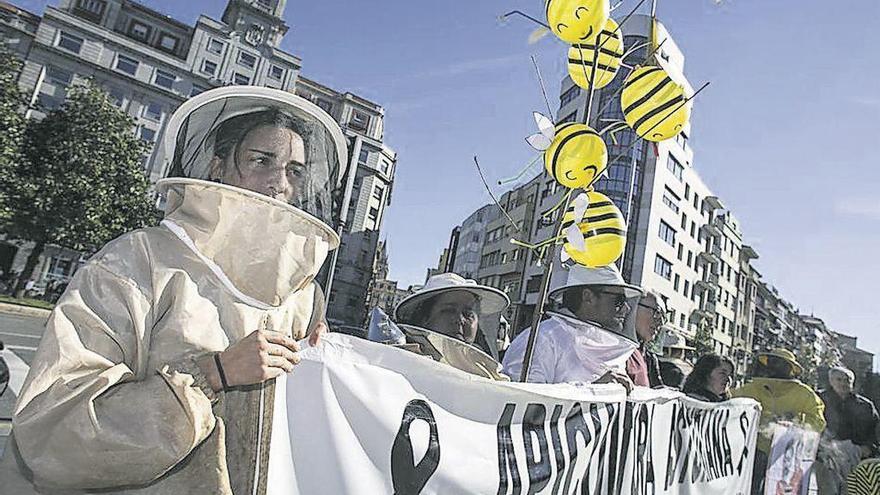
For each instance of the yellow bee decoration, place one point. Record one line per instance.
(654, 105)
(595, 231)
(581, 55)
(577, 21)
(574, 154)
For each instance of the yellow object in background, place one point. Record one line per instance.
(577, 21)
(603, 229)
(577, 156)
(649, 96)
(581, 55)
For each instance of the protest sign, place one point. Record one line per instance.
(792, 454)
(360, 417)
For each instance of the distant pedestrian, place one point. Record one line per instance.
(850, 416)
(711, 378)
(674, 366)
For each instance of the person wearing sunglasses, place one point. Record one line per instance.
(643, 367)
(589, 333)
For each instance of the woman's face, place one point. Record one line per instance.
(455, 314)
(720, 379)
(269, 160)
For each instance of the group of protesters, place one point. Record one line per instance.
(155, 372)
(599, 329)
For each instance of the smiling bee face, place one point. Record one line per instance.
(577, 156)
(577, 21)
(652, 104)
(604, 231)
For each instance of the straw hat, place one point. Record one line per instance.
(491, 299)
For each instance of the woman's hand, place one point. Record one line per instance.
(259, 357)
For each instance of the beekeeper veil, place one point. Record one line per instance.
(253, 183)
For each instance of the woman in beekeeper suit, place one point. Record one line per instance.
(155, 373)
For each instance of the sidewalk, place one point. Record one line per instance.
(17, 309)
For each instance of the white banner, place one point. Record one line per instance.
(370, 419)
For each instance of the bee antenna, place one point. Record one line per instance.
(541, 82)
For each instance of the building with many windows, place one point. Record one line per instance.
(150, 63)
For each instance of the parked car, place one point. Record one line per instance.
(4, 372)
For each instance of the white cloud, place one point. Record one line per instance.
(864, 206)
(869, 101)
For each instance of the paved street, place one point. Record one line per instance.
(20, 334)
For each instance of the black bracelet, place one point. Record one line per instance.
(220, 372)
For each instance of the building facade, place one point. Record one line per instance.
(150, 63)
(471, 236)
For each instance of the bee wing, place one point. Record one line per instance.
(538, 141)
(563, 255)
(538, 34)
(574, 237)
(545, 125)
(581, 202)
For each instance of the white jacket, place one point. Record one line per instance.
(568, 350)
(114, 400)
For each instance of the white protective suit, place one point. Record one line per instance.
(114, 401)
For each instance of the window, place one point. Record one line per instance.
(247, 60)
(276, 72)
(126, 64)
(164, 79)
(148, 134)
(58, 77)
(503, 258)
(374, 213)
(569, 96)
(667, 233)
(324, 105)
(675, 167)
(215, 46)
(196, 89)
(378, 193)
(684, 221)
(680, 252)
(687, 287)
(690, 258)
(139, 31)
(209, 67)
(152, 111)
(168, 43)
(696, 200)
(687, 191)
(363, 156)
(59, 267)
(241, 79)
(662, 267)
(693, 229)
(675, 284)
(681, 138)
(569, 118)
(116, 96)
(670, 200)
(359, 120)
(70, 42)
(91, 10)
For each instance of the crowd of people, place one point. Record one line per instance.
(601, 329)
(157, 363)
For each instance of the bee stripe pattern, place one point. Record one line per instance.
(864, 479)
(561, 145)
(582, 57)
(653, 104)
(603, 228)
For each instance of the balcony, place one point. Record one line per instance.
(700, 314)
(713, 203)
(708, 258)
(712, 278)
(710, 230)
(709, 306)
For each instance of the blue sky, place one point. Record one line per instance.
(786, 134)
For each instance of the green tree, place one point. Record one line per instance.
(82, 182)
(704, 342)
(12, 121)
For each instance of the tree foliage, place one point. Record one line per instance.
(81, 182)
(704, 342)
(13, 104)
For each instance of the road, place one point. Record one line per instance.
(20, 334)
